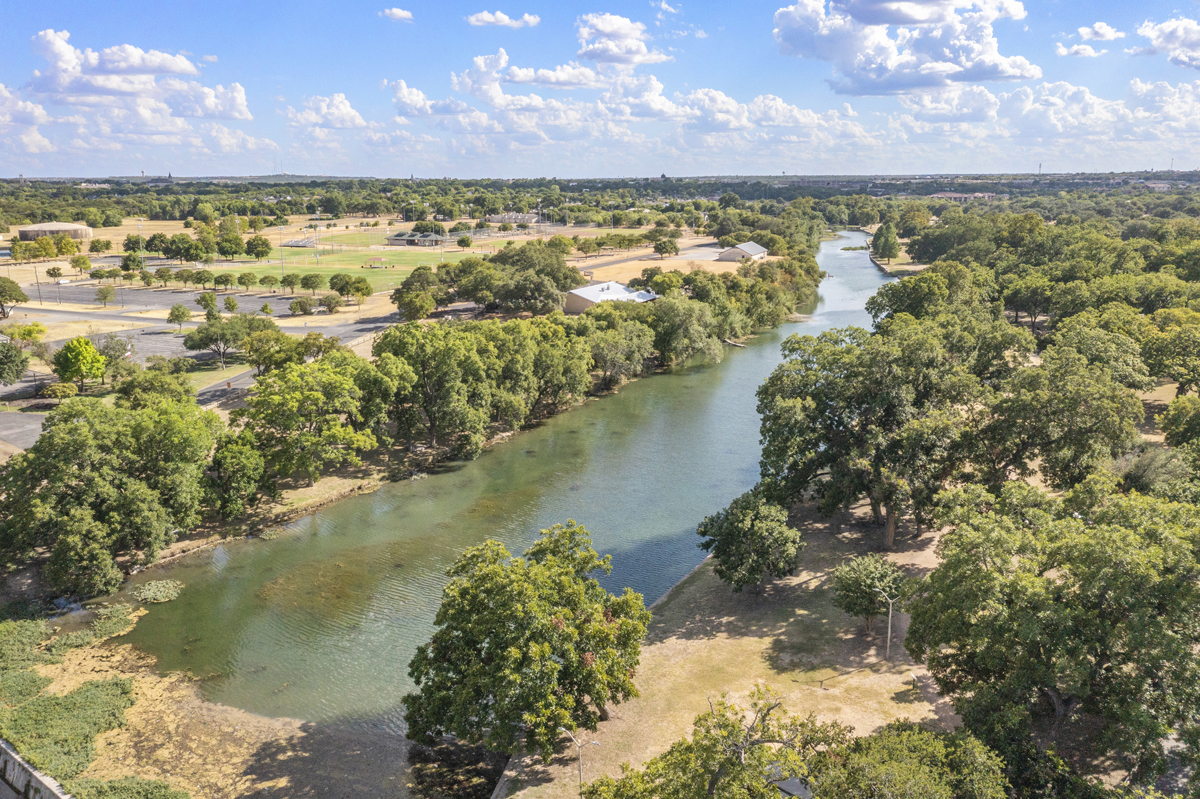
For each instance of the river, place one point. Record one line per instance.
(320, 623)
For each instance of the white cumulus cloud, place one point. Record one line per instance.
(398, 14)
(333, 111)
(1081, 50)
(229, 140)
(934, 44)
(1178, 38)
(504, 20)
(1101, 32)
(611, 39)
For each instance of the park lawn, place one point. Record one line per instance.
(210, 372)
(705, 641)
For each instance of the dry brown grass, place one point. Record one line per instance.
(705, 641)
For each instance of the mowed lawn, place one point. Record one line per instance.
(705, 641)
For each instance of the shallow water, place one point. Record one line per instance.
(320, 623)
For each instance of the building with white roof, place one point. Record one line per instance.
(755, 252)
(579, 300)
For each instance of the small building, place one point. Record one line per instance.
(755, 252)
(1157, 185)
(34, 232)
(579, 300)
(416, 240)
(512, 219)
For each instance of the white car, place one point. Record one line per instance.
(64, 282)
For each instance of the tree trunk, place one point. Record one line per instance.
(889, 530)
(875, 511)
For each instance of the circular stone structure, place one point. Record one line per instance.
(33, 232)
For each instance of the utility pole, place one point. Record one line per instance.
(890, 600)
(579, 745)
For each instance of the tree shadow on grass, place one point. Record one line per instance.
(340, 760)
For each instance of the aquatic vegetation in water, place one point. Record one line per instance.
(158, 591)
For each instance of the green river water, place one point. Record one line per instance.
(320, 623)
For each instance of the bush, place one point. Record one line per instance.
(302, 306)
(111, 621)
(56, 733)
(18, 687)
(60, 391)
(65, 643)
(124, 788)
(18, 644)
(158, 591)
(857, 584)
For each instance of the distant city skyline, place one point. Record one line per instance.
(623, 88)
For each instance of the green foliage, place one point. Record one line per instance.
(13, 363)
(68, 641)
(665, 247)
(179, 314)
(301, 418)
(78, 359)
(312, 282)
(445, 390)
(858, 583)
(110, 621)
(18, 687)
(59, 391)
(158, 591)
(124, 788)
(103, 482)
(733, 753)
(56, 733)
(231, 304)
(1043, 610)
(1181, 421)
(302, 306)
(903, 759)
(751, 541)
(884, 243)
(621, 352)
(332, 302)
(237, 476)
(526, 645)
(19, 642)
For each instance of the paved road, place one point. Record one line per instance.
(20, 429)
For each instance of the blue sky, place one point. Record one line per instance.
(607, 89)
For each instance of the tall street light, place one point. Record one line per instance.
(579, 745)
(890, 600)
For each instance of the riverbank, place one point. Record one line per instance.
(705, 641)
(214, 751)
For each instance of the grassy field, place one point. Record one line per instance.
(705, 641)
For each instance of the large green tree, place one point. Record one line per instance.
(13, 363)
(102, 483)
(449, 399)
(301, 416)
(79, 360)
(1043, 612)
(10, 296)
(751, 541)
(849, 415)
(526, 645)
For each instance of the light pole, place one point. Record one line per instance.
(281, 272)
(579, 745)
(890, 600)
(318, 227)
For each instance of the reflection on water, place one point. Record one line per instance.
(320, 623)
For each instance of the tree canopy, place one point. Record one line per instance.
(526, 645)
